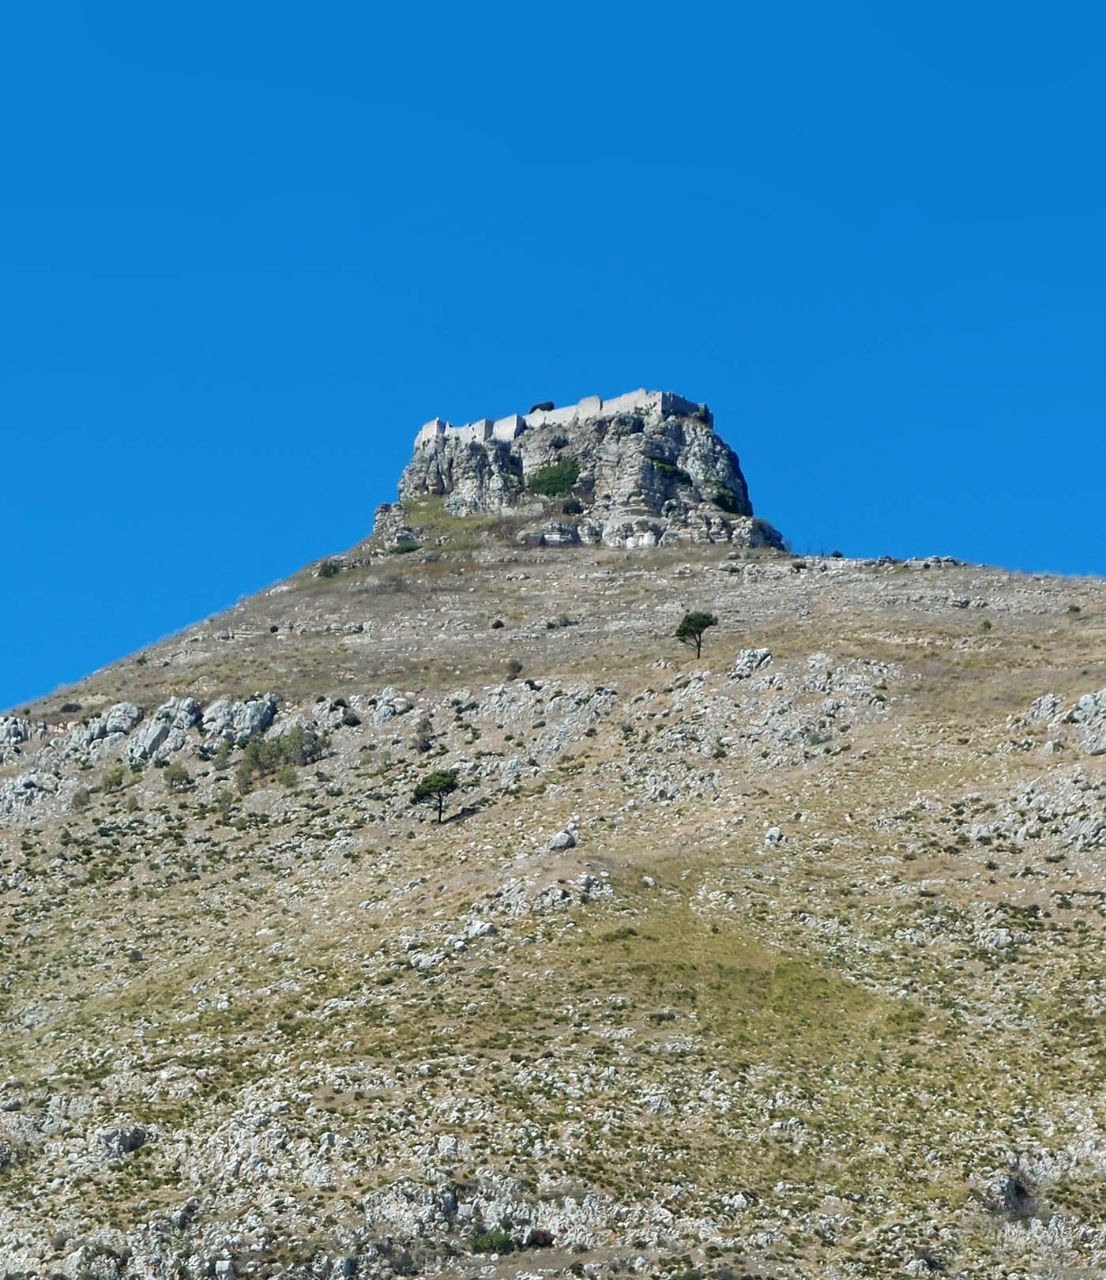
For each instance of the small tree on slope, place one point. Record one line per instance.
(691, 628)
(435, 787)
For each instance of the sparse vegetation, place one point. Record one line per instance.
(556, 480)
(495, 1240)
(176, 776)
(859, 1009)
(671, 470)
(114, 778)
(423, 739)
(262, 756)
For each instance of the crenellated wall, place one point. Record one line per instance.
(590, 408)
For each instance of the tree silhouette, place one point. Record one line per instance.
(691, 628)
(435, 787)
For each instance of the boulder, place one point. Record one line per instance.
(121, 1140)
(1089, 718)
(749, 662)
(238, 722)
(165, 731)
(13, 730)
(391, 703)
(120, 718)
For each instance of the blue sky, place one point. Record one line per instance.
(246, 250)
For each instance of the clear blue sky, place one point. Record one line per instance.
(245, 250)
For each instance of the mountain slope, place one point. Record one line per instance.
(786, 962)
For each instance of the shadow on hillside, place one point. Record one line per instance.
(461, 814)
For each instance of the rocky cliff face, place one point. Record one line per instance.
(644, 470)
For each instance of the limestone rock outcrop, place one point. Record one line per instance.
(644, 469)
(165, 732)
(238, 722)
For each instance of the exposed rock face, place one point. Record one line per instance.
(642, 470)
(166, 731)
(13, 730)
(1081, 727)
(238, 722)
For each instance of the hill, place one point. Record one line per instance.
(786, 962)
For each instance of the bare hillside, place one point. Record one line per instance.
(786, 962)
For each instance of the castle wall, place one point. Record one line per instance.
(552, 417)
(510, 427)
(475, 432)
(430, 431)
(633, 402)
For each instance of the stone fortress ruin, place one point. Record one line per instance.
(663, 403)
(637, 470)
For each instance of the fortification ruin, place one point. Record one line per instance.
(589, 409)
(641, 469)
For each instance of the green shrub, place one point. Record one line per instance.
(670, 469)
(725, 499)
(402, 548)
(264, 756)
(329, 569)
(114, 778)
(494, 1241)
(177, 777)
(424, 735)
(555, 481)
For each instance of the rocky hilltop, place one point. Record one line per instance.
(643, 469)
(782, 963)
